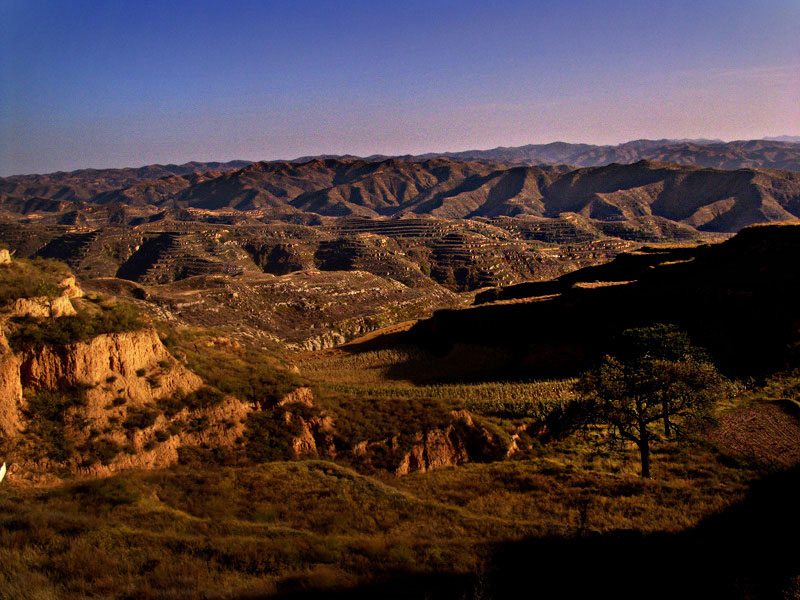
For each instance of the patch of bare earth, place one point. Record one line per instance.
(767, 433)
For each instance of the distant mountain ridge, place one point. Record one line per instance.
(783, 154)
(777, 152)
(792, 139)
(703, 199)
(83, 184)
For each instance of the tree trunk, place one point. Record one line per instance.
(644, 437)
(667, 424)
(644, 452)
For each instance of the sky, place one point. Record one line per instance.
(125, 83)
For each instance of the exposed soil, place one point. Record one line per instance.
(766, 433)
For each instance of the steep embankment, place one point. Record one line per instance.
(79, 389)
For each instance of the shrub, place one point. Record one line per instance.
(115, 318)
(203, 397)
(100, 450)
(48, 413)
(31, 278)
(104, 493)
(268, 437)
(140, 418)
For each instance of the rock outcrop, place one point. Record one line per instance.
(42, 306)
(10, 390)
(433, 450)
(118, 375)
(70, 288)
(151, 447)
(301, 395)
(126, 362)
(463, 440)
(315, 434)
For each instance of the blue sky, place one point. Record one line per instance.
(111, 83)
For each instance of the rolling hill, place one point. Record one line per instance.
(705, 199)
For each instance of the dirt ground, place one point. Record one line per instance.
(767, 433)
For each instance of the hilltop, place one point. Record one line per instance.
(704, 199)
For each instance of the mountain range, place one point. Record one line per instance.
(777, 153)
(706, 199)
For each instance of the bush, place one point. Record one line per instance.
(100, 450)
(268, 437)
(48, 413)
(30, 279)
(115, 318)
(140, 418)
(104, 493)
(203, 397)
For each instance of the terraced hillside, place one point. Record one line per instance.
(223, 449)
(737, 299)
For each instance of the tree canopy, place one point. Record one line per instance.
(655, 379)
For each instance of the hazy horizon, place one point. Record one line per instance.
(364, 155)
(104, 85)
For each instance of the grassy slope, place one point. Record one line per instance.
(310, 525)
(234, 532)
(228, 531)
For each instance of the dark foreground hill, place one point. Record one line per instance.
(739, 299)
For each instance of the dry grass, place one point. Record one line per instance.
(233, 532)
(30, 278)
(222, 532)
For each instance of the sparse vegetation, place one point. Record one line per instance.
(104, 317)
(48, 413)
(245, 373)
(31, 278)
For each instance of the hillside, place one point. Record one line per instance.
(737, 298)
(703, 199)
(173, 439)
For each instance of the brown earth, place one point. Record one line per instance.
(768, 433)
